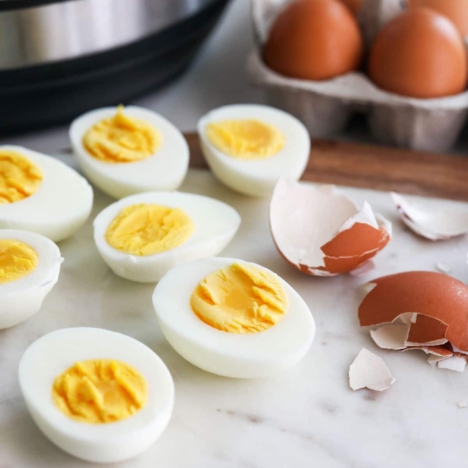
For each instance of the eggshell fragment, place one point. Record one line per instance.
(443, 301)
(427, 330)
(435, 352)
(322, 232)
(443, 268)
(395, 337)
(369, 371)
(426, 311)
(454, 363)
(428, 223)
(390, 337)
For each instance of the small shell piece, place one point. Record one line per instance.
(428, 223)
(322, 232)
(369, 371)
(419, 310)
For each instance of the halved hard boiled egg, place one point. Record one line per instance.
(29, 268)
(233, 318)
(249, 147)
(38, 193)
(129, 150)
(98, 395)
(143, 236)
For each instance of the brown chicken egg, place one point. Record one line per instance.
(314, 40)
(353, 5)
(419, 54)
(455, 10)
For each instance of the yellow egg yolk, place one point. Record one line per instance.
(245, 139)
(100, 391)
(240, 299)
(122, 139)
(149, 229)
(17, 259)
(19, 177)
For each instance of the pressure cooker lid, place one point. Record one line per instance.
(6, 5)
(20, 4)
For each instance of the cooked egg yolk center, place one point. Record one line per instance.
(149, 229)
(19, 177)
(100, 391)
(17, 259)
(240, 299)
(122, 139)
(245, 139)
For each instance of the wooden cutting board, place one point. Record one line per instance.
(377, 167)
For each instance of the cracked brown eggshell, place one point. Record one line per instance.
(322, 232)
(438, 302)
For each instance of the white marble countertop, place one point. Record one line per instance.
(307, 416)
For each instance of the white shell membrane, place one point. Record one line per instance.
(165, 170)
(59, 207)
(21, 299)
(227, 354)
(54, 353)
(258, 177)
(216, 223)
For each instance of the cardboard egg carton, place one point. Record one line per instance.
(325, 107)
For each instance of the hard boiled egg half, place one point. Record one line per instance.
(233, 318)
(29, 268)
(143, 236)
(98, 395)
(38, 193)
(249, 147)
(129, 150)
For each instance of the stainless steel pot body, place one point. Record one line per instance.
(63, 30)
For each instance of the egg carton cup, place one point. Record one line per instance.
(325, 107)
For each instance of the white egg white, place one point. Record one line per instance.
(227, 354)
(54, 353)
(215, 224)
(22, 298)
(257, 177)
(165, 170)
(58, 208)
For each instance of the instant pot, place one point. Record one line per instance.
(60, 58)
